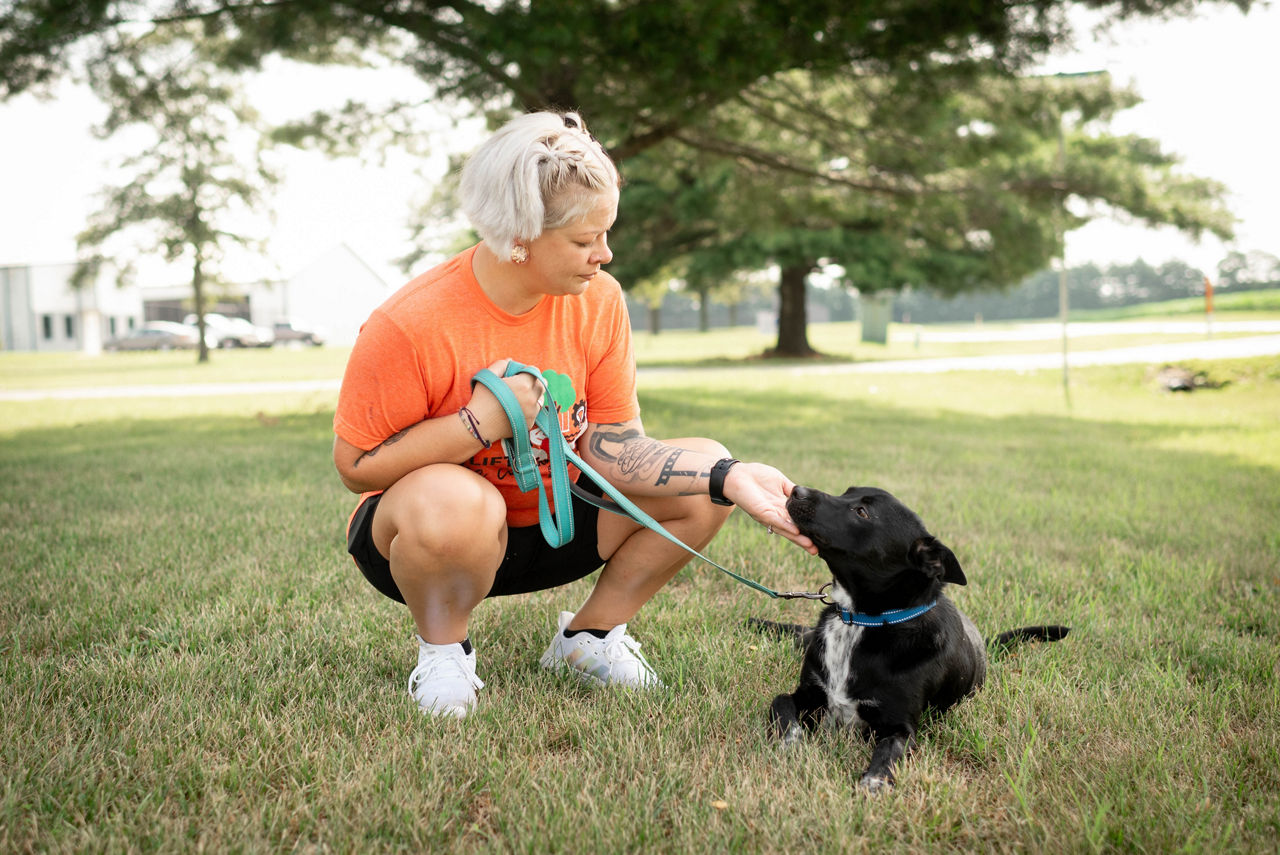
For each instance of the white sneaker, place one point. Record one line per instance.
(614, 660)
(445, 681)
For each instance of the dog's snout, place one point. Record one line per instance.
(800, 504)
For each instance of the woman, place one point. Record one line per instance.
(440, 525)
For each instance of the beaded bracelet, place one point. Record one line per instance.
(472, 425)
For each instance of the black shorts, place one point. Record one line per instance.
(530, 563)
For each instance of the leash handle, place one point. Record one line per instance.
(557, 529)
(557, 526)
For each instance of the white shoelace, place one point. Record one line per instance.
(624, 646)
(437, 665)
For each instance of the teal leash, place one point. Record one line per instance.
(557, 529)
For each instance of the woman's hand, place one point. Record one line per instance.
(761, 491)
(488, 411)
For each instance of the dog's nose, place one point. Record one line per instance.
(800, 502)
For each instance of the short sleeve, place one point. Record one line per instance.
(613, 369)
(383, 390)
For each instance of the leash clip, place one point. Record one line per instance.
(820, 594)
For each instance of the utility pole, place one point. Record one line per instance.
(1063, 300)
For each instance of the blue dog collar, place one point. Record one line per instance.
(852, 618)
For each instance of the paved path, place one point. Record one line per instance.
(1228, 348)
(1050, 330)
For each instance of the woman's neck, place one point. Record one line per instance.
(504, 284)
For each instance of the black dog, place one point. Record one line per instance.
(890, 645)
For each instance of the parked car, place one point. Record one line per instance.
(224, 331)
(156, 335)
(288, 332)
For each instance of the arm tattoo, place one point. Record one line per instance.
(638, 457)
(600, 438)
(669, 468)
(391, 440)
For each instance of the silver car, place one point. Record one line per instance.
(156, 335)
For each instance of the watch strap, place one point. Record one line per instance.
(718, 473)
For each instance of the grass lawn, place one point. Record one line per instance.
(191, 662)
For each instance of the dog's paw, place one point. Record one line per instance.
(793, 735)
(874, 785)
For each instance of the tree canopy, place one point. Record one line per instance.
(786, 130)
(639, 69)
(955, 182)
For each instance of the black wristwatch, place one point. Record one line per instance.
(716, 488)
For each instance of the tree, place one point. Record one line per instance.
(645, 72)
(198, 174)
(638, 69)
(947, 179)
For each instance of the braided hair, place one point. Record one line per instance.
(539, 171)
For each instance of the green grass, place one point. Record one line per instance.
(190, 661)
(1262, 303)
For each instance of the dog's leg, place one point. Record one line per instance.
(885, 756)
(784, 721)
(792, 716)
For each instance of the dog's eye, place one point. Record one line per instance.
(862, 512)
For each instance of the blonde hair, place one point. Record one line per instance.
(539, 171)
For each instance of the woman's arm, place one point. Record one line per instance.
(444, 439)
(641, 466)
(441, 440)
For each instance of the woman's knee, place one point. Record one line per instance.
(443, 509)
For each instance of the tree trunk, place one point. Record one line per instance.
(655, 319)
(704, 312)
(793, 338)
(197, 285)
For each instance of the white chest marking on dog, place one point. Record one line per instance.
(838, 643)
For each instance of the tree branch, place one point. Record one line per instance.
(771, 161)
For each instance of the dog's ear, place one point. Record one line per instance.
(936, 560)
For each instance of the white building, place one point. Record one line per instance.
(335, 294)
(41, 311)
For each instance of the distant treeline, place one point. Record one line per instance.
(1088, 287)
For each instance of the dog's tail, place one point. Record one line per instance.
(1006, 640)
(794, 632)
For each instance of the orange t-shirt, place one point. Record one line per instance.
(416, 354)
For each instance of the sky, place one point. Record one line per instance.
(1202, 80)
(1205, 82)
